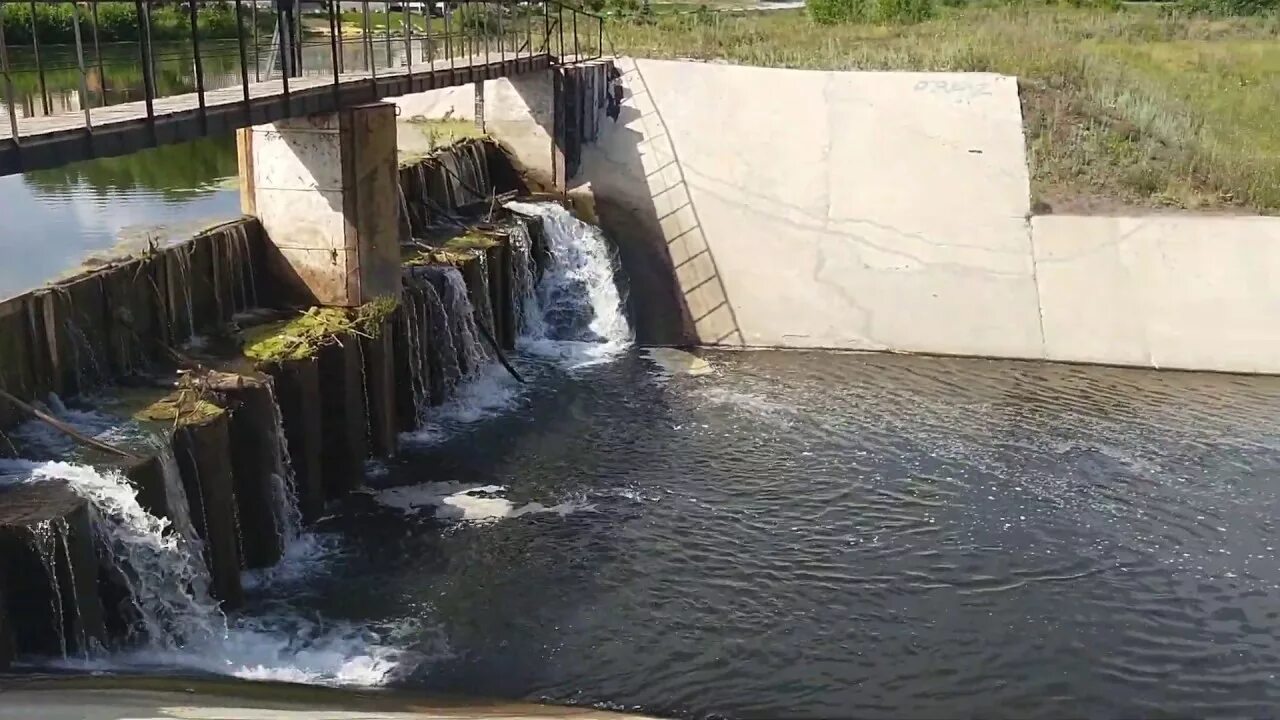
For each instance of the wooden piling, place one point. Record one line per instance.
(343, 417)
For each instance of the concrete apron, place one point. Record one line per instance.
(140, 698)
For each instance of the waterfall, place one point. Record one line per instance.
(524, 293)
(180, 507)
(167, 587)
(443, 347)
(578, 296)
(284, 485)
(413, 318)
(184, 267)
(471, 352)
(44, 541)
(406, 220)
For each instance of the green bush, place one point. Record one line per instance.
(117, 22)
(1231, 7)
(830, 12)
(478, 18)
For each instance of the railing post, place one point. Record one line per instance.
(431, 50)
(35, 49)
(335, 21)
(576, 51)
(367, 41)
(148, 67)
(560, 30)
(97, 54)
(9, 97)
(388, 35)
(283, 29)
(335, 49)
(448, 37)
(502, 37)
(199, 65)
(84, 84)
(244, 58)
(257, 57)
(408, 42)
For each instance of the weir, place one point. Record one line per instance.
(248, 373)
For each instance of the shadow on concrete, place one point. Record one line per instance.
(642, 200)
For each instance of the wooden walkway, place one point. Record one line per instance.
(45, 142)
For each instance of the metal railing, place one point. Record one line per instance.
(60, 58)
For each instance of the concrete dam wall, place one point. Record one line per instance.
(891, 211)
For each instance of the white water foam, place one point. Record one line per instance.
(179, 625)
(584, 319)
(468, 503)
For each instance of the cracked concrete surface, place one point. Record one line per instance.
(840, 210)
(1169, 291)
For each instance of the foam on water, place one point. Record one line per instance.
(178, 624)
(468, 503)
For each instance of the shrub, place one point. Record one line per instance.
(117, 22)
(830, 12)
(1231, 7)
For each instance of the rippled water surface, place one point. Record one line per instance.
(819, 535)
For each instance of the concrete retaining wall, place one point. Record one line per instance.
(1164, 291)
(890, 211)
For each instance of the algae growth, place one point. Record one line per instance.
(455, 251)
(185, 407)
(303, 336)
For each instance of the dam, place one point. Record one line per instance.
(631, 399)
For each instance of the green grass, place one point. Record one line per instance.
(1138, 106)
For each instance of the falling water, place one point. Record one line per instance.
(180, 507)
(242, 238)
(528, 314)
(284, 486)
(44, 541)
(406, 220)
(164, 583)
(578, 296)
(442, 345)
(462, 320)
(413, 318)
(184, 268)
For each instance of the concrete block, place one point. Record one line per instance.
(1168, 291)
(325, 189)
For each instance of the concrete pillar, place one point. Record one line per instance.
(324, 188)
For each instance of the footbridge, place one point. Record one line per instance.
(232, 65)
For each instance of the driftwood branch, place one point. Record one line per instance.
(493, 344)
(65, 428)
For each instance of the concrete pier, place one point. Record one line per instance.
(324, 188)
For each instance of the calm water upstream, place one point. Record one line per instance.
(820, 535)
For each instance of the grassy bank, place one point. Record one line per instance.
(1130, 107)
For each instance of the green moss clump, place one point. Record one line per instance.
(185, 407)
(303, 336)
(472, 241)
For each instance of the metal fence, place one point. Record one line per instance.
(60, 58)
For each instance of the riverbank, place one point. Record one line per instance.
(1124, 109)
